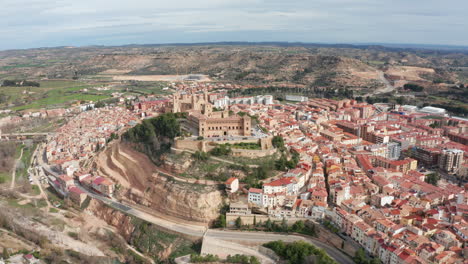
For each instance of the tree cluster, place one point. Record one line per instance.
(283, 164)
(413, 87)
(360, 257)
(20, 83)
(306, 228)
(299, 251)
(201, 155)
(154, 136)
(432, 178)
(99, 104)
(203, 259)
(242, 259)
(165, 125)
(278, 142)
(221, 150)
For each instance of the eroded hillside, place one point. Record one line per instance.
(307, 64)
(141, 183)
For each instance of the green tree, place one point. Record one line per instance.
(255, 220)
(5, 253)
(432, 178)
(254, 260)
(200, 155)
(99, 104)
(413, 87)
(360, 257)
(435, 125)
(269, 225)
(297, 252)
(284, 225)
(298, 226)
(277, 142)
(221, 150)
(238, 222)
(222, 220)
(281, 163)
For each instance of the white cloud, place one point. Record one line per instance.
(88, 21)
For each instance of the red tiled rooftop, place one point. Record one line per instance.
(230, 180)
(255, 190)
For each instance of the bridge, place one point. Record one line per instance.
(16, 136)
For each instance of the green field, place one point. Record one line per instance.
(60, 100)
(150, 88)
(59, 93)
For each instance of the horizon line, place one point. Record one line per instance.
(274, 43)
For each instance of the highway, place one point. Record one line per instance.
(198, 231)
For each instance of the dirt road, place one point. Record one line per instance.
(13, 174)
(388, 86)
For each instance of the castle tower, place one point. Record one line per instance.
(176, 102)
(246, 124)
(205, 95)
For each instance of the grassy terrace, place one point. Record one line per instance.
(22, 171)
(251, 146)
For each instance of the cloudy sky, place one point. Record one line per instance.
(46, 23)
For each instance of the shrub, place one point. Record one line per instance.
(201, 259)
(413, 87)
(297, 251)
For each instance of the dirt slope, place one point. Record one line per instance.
(141, 184)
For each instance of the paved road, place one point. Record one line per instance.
(262, 237)
(200, 231)
(186, 229)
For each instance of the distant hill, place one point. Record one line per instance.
(361, 68)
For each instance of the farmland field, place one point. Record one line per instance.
(58, 93)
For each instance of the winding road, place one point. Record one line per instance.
(388, 86)
(198, 231)
(262, 237)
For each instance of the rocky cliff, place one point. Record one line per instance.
(183, 200)
(122, 222)
(143, 236)
(142, 184)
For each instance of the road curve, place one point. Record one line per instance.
(262, 237)
(200, 231)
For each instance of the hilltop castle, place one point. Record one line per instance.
(206, 122)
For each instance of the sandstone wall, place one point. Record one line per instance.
(143, 185)
(187, 201)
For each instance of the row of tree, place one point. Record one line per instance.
(306, 228)
(20, 83)
(299, 252)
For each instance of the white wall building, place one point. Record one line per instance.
(296, 98)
